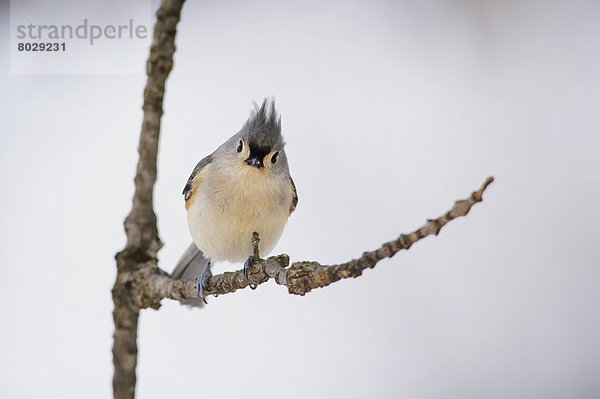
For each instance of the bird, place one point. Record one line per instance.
(243, 187)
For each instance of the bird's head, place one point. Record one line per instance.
(259, 144)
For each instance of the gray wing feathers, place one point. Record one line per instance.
(187, 190)
(189, 267)
(295, 197)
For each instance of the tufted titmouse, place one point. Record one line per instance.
(243, 187)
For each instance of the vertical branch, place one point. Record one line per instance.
(140, 225)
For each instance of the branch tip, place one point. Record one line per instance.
(255, 242)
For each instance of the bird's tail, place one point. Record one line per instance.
(190, 266)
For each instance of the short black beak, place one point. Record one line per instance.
(254, 161)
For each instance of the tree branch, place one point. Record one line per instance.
(139, 254)
(141, 284)
(302, 277)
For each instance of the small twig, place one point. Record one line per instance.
(302, 277)
(255, 241)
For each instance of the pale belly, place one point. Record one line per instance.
(222, 225)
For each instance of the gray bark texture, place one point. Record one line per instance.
(138, 258)
(141, 284)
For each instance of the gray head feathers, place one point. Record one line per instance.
(263, 127)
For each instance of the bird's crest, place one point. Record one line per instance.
(263, 127)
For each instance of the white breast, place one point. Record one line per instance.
(229, 207)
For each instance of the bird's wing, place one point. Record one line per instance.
(188, 190)
(195, 179)
(295, 197)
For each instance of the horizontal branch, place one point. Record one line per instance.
(302, 277)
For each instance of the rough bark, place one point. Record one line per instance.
(138, 258)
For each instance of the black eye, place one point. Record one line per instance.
(274, 157)
(240, 146)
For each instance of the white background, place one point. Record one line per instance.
(391, 111)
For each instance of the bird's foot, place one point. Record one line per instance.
(202, 282)
(248, 268)
(248, 265)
